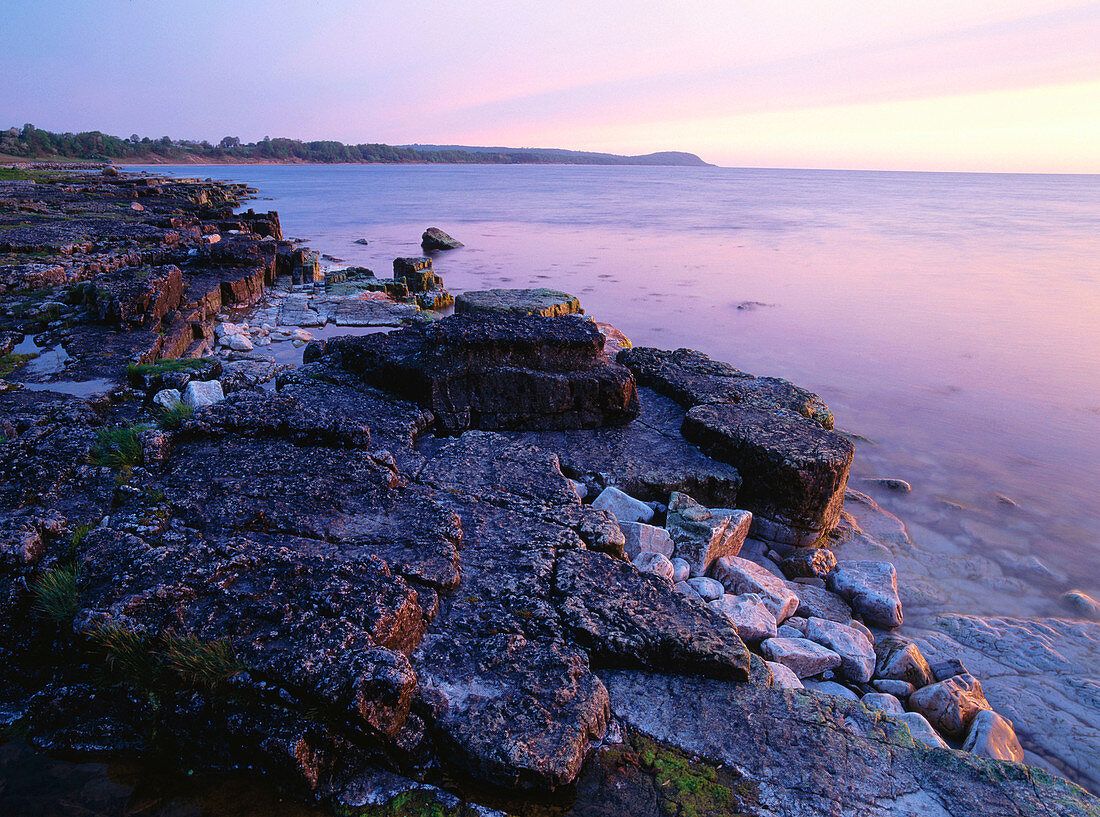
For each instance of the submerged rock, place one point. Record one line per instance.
(546, 302)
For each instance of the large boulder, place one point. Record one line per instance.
(992, 735)
(545, 302)
(497, 373)
(435, 239)
(950, 705)
(794, 472)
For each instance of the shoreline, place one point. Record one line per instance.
(253, 423)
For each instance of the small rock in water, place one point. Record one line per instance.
(622, 506)
(992, 735)
(1006, 500)
(643, 538)
(167, 399)
(784, 676)
(803, 656)
(1082, 604)
(950, 705)
(831, 688)
(753, 620)
(922, 730)
(656, 563)
(199, 394)
(883, 702)
(899, 485)
(362, 241)
(435, 239)
(872, 590)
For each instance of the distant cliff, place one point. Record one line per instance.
(30, 142)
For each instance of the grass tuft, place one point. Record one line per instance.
(173, 419)
(182, 364)
(206, 664)
(116, 447)
(55, 593)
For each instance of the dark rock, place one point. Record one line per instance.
(794, 472)
(435, 239)
(546, 302)
(942, 670)
(494, 373)
(899, 659)
(807, 563)
(138, 296)
(416, 274)
(691, 378)
(627, 617)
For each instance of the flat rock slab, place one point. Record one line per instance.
(691, 378)
(794, 472)
(497, 372)
(545, 302)
(627, 617)
(823, 755)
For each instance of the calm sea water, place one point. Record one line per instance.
(949, 319)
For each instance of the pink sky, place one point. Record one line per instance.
(1011, 85)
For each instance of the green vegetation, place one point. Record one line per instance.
(689, 787)
(117, 447)
(173, 419)
(9, 363)
(34, 143)
(415, 803)
(55, 593)
(153, 663)
(180, 364)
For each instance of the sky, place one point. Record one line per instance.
(972, 85)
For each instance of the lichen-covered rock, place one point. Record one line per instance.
(625, 616)
(793, 471)
(202, 393)
(546, 302)
(808, 563)
(702, 535)
(497, 372)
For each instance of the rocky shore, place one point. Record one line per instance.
(493, 563)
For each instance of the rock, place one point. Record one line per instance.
(691, 378)
(872, 590)
(804, 657)
(784, 676)
(831, 688)
(823, 755)
(362, 241)
(656, 563)
(626, 508)
(857, 654)
(808, 563)
(546, 302)
(681, 570)
(703, 535)
(947, 668)
(626, 616)
(742, 576)
(816, 601)
(753, 620)
(884, 703)
(496, 372)
(416, 273)
(794, 472)
(787, 631)
(110, 171)
(581, 488)
(435, 239)
(899, 689)
(202, 393)
(1082, 604)
(950, 705)
(992, 735)
(639, 537)
(797, 624)
(899, 659)
(922, 730)
(859, 625)
(899, 485)
(707, 589)
(167, 399)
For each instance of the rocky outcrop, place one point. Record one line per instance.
(497, 373)
(793, 471)
(546, 302)
(435, 239)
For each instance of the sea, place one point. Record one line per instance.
(950, 320)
